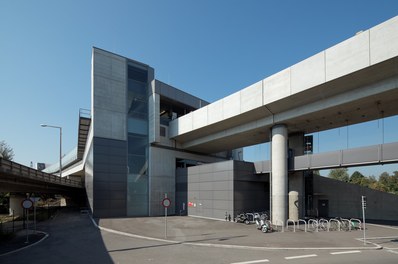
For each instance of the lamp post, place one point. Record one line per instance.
(60, 147)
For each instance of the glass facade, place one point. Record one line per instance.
(137, 128)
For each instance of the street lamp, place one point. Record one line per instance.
(60, 147)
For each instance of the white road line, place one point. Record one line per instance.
(374, 238)
(302, 256)
(345, 252)
(392, 251)
(390, 227)
(252, 262)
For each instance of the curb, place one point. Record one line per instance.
(46, 235)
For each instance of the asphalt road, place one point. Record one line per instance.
(73, 238)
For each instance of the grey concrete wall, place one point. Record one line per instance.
(162, 176)
(228, 187)
(110, 180)
(345, 200)
(251, 192)
(89, 175)
(108, 95)
(210, 190)
(107, 180)
(154, 118)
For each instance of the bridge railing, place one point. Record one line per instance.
(14, 168)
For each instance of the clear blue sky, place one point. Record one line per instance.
(207, 48)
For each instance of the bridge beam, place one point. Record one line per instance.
(279, 173)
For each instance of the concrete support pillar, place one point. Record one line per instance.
(16, 204)
(279, 172)
(296, 196)
(296, 180)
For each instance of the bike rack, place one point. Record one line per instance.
(348, 221)
(305, 224)
(251, 218)
(356, 220)
(282, 225)
(291, 221)
(334, 220)
(321, 223)
(311, 222)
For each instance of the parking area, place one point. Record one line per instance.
(208, 231)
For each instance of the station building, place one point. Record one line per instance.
(131, 162)
(146, 139)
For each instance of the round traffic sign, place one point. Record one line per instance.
(27, 203)
(166, 202)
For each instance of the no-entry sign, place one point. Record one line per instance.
(166, 202)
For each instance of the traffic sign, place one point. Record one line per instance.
(27, 203)
(166, 202)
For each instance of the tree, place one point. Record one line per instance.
(388, 183)
(357, 178)
(6, 151)
(340, 174)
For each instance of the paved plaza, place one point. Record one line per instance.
(73, 237)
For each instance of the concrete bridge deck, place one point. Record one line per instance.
(15, 177)
(352, 82)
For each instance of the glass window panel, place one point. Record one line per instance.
(137, 144)
(137, 186)
(137, 126)
(138, 89)
(137, 164)
(137, 105)
(137, 74)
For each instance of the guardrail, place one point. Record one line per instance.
(17, 169)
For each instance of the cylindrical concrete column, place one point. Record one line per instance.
(16, 204)
(279, 174)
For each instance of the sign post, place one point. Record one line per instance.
(34, 200)
(363, 218)
(166, 204)
(26, 204)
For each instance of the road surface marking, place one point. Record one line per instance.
(302, 256)
(252, 262)
(345, 252)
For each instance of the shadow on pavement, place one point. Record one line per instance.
(72, 239)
